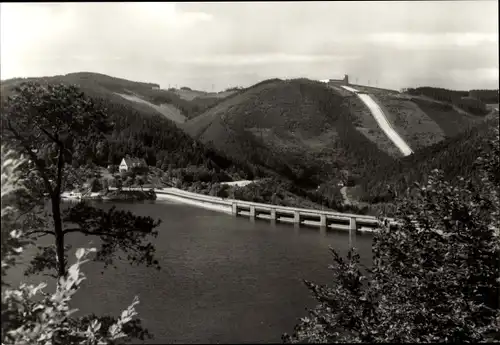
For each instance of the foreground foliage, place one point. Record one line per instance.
(51, 126)
(434, 279)
(32, 316)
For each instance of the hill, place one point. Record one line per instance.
(299, 128)
(185, 162)
(139, 131)
(189, 94)
(147, 98)
(427, 115)
(455, 156)
(313, 133)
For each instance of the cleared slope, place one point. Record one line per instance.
(367, 125)
(190, 95)
(385, 125)
(417, 128)
(454, 111)
(167, 110)
(145, 97)
(301, 128)
(382, 121)
(420, 119)
(103, 86)
(448, 118)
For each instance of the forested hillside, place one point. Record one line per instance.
(485, 96)
(100, 85)
(446, 117)
(455, 156)
(151, 136)
(299, 128)
(310, 132)
(473, 101)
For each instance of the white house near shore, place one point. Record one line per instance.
(128, 163)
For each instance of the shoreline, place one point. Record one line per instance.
(122, 195)
(202, 200)
(336, 220)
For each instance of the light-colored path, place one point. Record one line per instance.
(381, 119)
(241, 183)
(343, 191)
(167, 110)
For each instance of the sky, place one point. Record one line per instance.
(213, 46)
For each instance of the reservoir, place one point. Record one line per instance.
(224, 279)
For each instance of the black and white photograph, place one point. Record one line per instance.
(250, 172)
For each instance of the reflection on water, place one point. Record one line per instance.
(224, 279)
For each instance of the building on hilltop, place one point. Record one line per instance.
(344, 81)
(128, 163)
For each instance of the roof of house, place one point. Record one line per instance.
(130, 161)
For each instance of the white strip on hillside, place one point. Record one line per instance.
(241, 183)
(348, 88)
(381, 119)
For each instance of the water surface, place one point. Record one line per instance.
(224, 279)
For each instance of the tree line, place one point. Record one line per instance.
(475, 105)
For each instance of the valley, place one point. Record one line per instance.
(308, 143)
